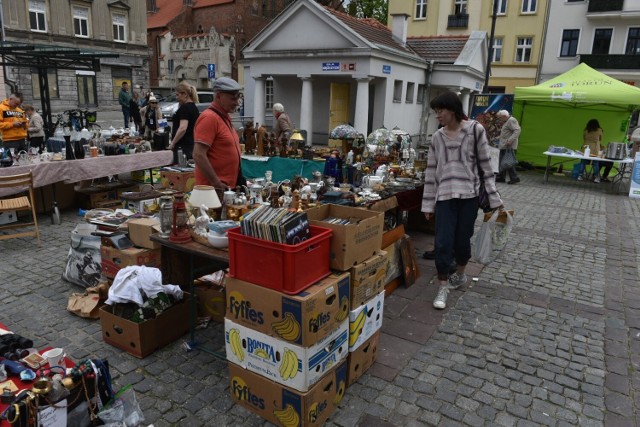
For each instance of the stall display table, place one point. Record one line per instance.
(622, 171)
(198, 260)
(282, 167)
(25, 385)
(71, 171)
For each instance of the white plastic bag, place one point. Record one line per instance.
(492, 237)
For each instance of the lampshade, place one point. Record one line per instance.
(297, 136)
(204, 195)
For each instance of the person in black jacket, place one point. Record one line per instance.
(134, 107)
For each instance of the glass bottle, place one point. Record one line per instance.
(166, 216)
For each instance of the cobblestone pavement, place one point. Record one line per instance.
(548, 335)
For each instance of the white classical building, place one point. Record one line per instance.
(328, 68)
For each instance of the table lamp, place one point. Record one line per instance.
(204, 195)
(296, 138)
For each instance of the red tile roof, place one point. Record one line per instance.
(169, 9)
(438, 48)
(206, 3)
(371, 29)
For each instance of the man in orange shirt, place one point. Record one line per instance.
(216, 150)
(13, 123)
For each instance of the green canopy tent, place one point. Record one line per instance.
(556, 112)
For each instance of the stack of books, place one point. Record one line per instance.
(278, 225)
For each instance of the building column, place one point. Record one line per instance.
(361, 119)
(306, 108)
(258, 101)
(464, 98)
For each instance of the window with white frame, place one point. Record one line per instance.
(81, 21)
(601, 41)
(408, 98)
(38, 15)
(633, 41)
(421, 9)
(523, 49)
(529, 6)
(497, 50)
(268, 94)
(397, 91)
(119, 27)
(460, 7)
(502, 7)
(569, 44)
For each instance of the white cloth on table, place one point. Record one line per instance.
(131, 283)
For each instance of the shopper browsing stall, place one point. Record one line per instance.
(151, 115)
(217, 145)
(509, 134)
(184, 121)
(13, 123)
(36, 128)
(591, 136)
(451, 189)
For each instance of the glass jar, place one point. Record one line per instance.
(166, 216)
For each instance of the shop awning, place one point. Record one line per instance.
(43, 57)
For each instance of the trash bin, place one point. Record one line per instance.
(160, 141)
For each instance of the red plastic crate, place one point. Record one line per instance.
(285, 268)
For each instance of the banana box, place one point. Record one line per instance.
(362, 358)
(368, 278)
(285, 363)
(365, 321)
(284, 406)
(302, 319)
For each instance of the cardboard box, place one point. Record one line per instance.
(365, 321)
(285, 363)
(211, 300)
(147, 205)
(145, 176)
(303, 319)
(385, 204)
(368, 278)
(142, 339)
(8, 217)
(179, 181)
(360, 360)
(114, 259)
(283, 406)
(140, 229)
(350, 244)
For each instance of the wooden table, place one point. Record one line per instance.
(198, 260)
(70, 171)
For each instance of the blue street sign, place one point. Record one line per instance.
(330, 66)
(212, 71)
(386, 69)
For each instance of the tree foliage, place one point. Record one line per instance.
(377, 9)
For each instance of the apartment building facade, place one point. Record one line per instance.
(116, 28)
(604, 34)
(518, 38)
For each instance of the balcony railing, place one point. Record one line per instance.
(612, 62)
(458, 21)
(605, 6)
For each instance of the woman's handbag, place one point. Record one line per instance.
(483, 196)
(508, 160)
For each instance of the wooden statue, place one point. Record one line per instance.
(262, 140)
(249, 135)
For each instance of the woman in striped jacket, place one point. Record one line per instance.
(451, 189)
